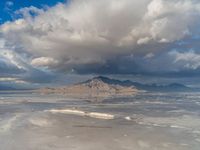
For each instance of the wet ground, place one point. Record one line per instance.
(147, 121)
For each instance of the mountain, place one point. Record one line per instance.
(140, 86)
(101, 87)
(98, 87)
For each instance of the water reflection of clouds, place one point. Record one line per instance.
(24, 126)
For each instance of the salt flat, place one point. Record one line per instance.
(147, 121)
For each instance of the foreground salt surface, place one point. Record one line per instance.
(152, 121)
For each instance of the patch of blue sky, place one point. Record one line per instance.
(8, 7)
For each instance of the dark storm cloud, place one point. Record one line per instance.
(150, 37)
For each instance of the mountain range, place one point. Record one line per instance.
(146, 87)
(106, 87)
(96, 87)
(107, 84)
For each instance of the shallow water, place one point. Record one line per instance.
(147, 121)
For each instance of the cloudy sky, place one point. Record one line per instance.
(52, 41)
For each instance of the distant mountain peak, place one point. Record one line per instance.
(98, 79)
(101, 78)
(95, 82)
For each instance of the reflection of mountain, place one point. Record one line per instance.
(96, 87)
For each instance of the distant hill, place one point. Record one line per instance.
(147, 87)
(95, 87)
(105, 87)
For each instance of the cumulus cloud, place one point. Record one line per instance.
(149, 55)
(8, 63)
(91, 35)
(144, 40)
(189, 60)
(43, 61)
(15, 68)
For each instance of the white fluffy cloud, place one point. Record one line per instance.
(189, 60)
(43, 62)
(85, 32)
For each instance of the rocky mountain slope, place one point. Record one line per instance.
(148, 87)
(96, 87)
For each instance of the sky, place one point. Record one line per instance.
(55, 42)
